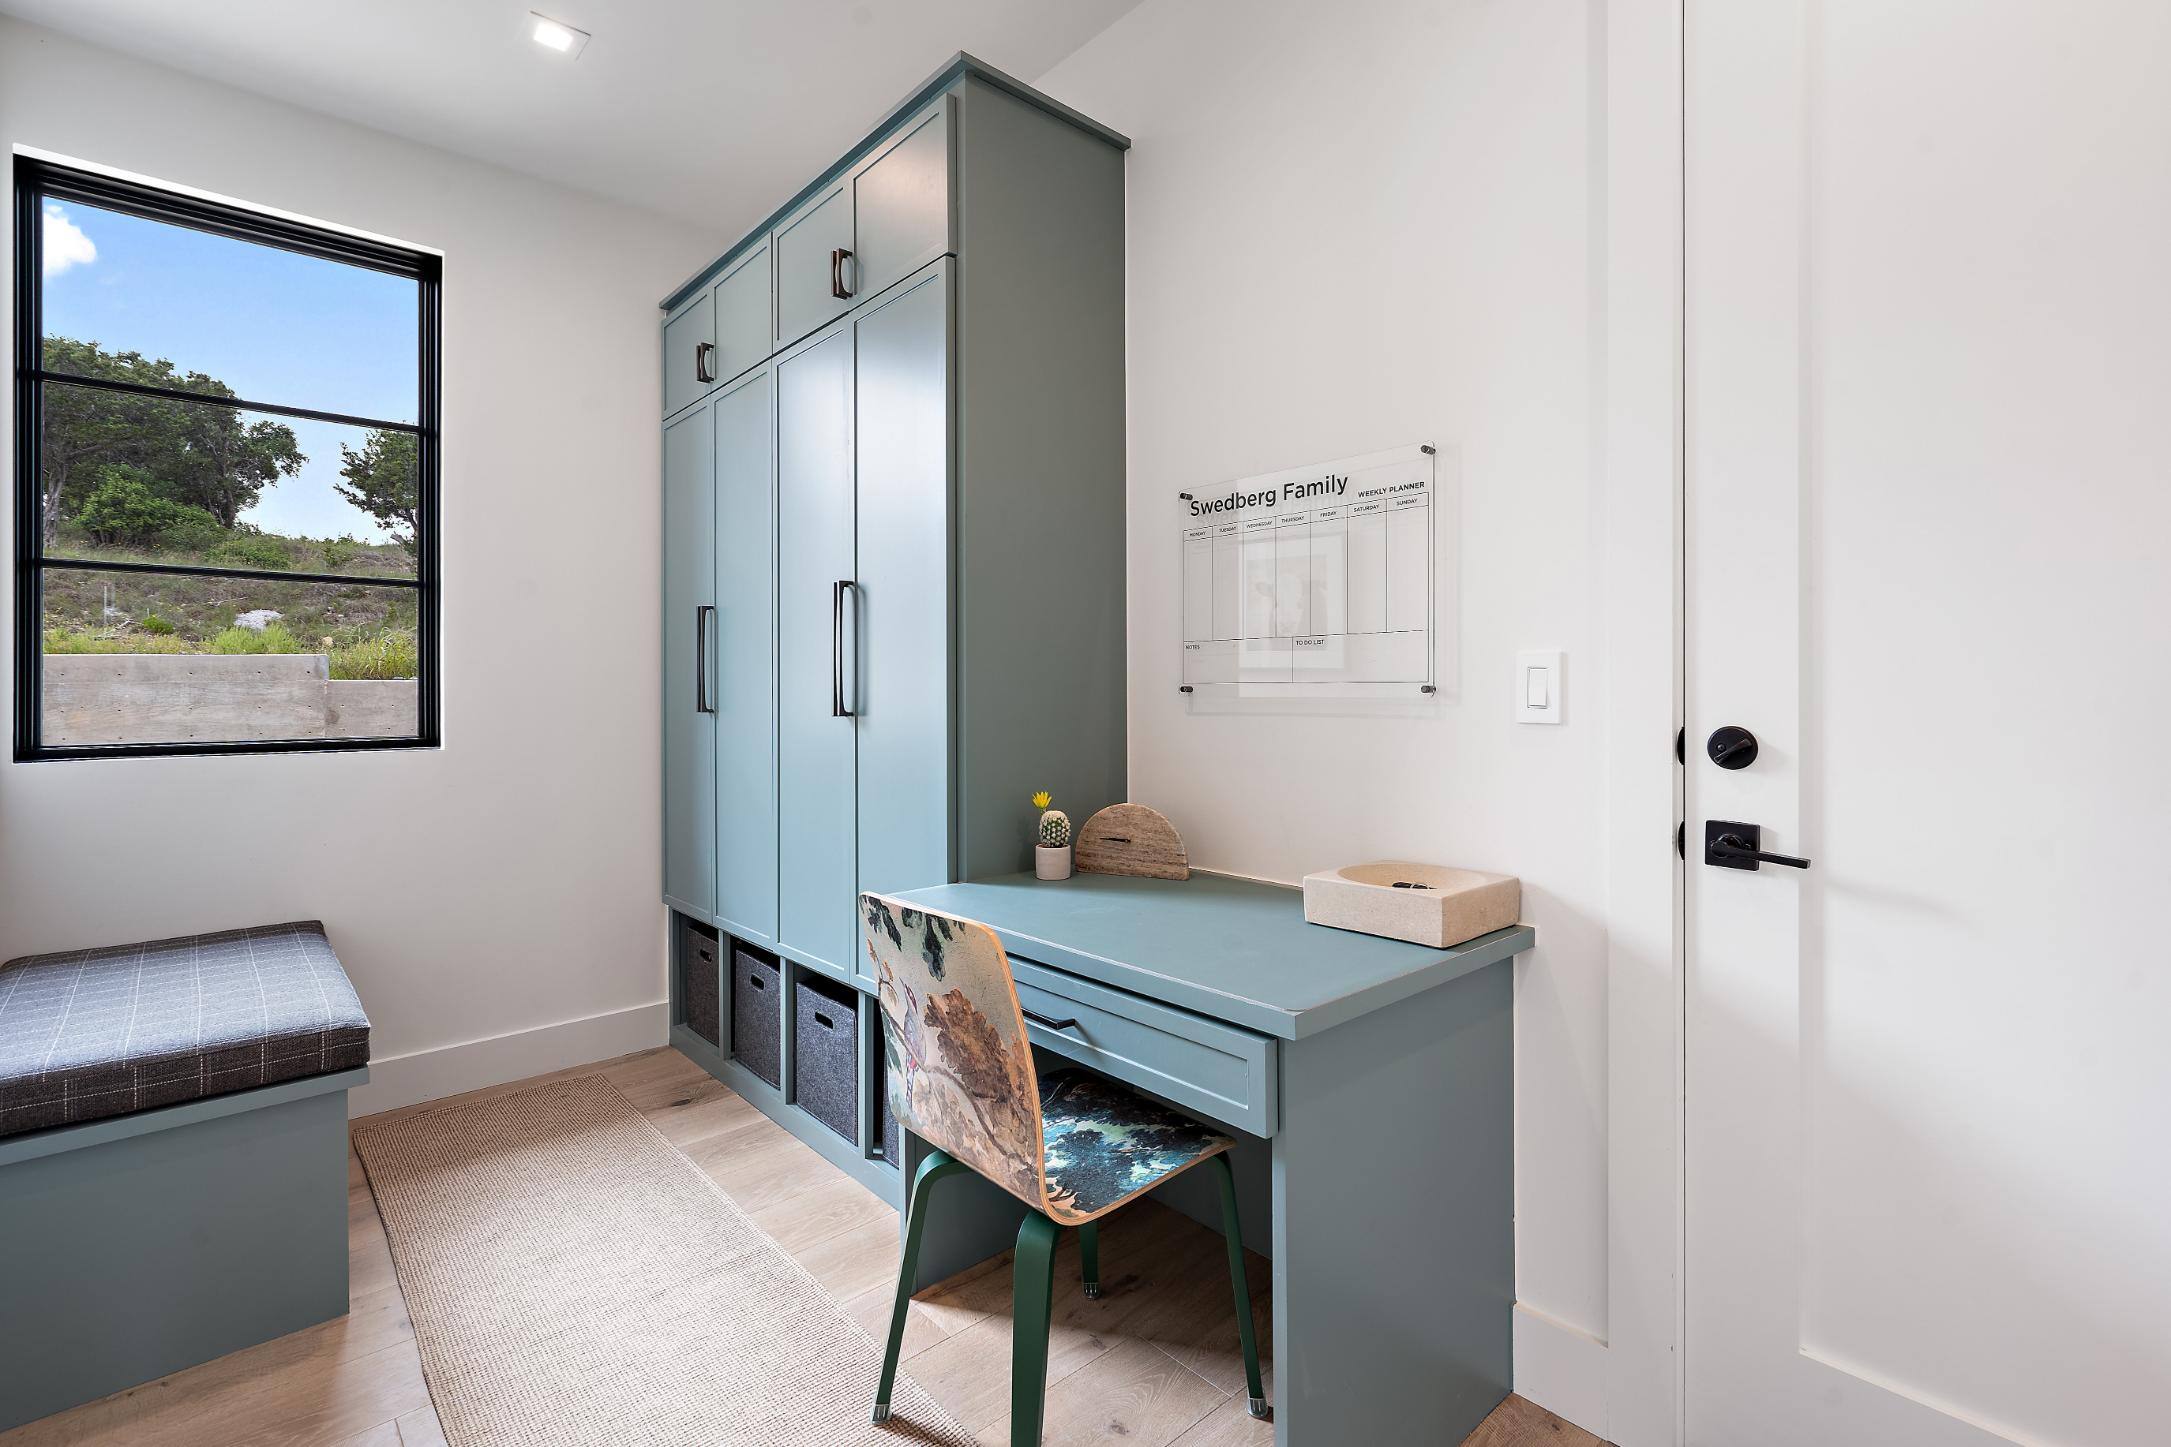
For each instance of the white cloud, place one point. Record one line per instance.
(65, 243)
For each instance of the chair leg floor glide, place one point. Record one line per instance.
(1089, 1259)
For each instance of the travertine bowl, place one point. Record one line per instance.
(1426, 904)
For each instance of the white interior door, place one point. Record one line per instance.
(1928, 564)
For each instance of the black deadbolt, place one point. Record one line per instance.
(1731, 747)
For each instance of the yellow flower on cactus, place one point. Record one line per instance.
(1043, 799)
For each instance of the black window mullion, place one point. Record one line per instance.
(213, 399)
(205, 570)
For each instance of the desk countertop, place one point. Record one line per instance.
(1233, 949)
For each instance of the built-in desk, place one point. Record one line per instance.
(1376, 1080)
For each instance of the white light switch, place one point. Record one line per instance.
(1538, 688)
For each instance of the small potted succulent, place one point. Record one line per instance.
(1051, 848)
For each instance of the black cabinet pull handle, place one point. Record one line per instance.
(701, 361)
(824, 1021)
(757, 982)
(837, 708)
(702, 614)
(1044, 1021)
(837, 288)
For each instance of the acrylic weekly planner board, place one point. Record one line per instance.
(1311, 581)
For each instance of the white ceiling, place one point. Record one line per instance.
(714, 111)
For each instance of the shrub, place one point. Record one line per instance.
(338, 552)
(271, 638)
(192, 535)
(125, 507)
(247, 551)
(152, 623)
(386, 655)
(60, 641)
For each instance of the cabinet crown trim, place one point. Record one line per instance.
(958, 68)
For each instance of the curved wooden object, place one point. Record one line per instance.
(1132, 839)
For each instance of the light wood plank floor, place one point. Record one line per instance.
(1154, 1363)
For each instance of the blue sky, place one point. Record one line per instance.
(272, 325)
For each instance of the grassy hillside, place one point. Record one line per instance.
(368, 632)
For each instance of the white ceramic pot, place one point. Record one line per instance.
(1051, 863)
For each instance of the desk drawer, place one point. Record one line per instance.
(1221, 1072)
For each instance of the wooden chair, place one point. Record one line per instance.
(1073, 1146)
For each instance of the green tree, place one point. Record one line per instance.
(195, 454)
(380, 480)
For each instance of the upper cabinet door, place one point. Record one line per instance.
(816, 270)
(816, 627)
(744, 314)
(689, 353)
(901, 201)
(746, 656)
(689, 662)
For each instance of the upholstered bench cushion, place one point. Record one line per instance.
(94, 1033)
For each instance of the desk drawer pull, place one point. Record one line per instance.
(1045, 1022)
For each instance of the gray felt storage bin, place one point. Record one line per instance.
(700, 980)
(757, 1014)
(825, 1065)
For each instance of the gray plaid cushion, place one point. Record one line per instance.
(93, 1033)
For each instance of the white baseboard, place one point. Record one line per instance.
(421, 1075)
(1561, 1368)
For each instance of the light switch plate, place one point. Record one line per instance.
(1540, 680)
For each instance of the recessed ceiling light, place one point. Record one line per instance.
(556, 35)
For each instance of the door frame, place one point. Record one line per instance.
(1629, 1388)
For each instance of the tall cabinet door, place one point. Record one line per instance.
(689, 662)
(903, 701)
(745, 628)
(816, 628)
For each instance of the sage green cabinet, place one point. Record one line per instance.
(745, 632)
(901, 202)
(743, 298)
(814, 263)
(915, 543)
(689, 608)
(817, 629)
(901, 697)
(689, 346)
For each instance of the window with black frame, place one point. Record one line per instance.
(226, 478)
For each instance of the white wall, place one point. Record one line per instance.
(1352, 227)
(505, 884)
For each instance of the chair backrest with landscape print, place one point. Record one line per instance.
(960, 1068)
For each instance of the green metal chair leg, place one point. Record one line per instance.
(1032, 1299)
(933, 1168)
(1089, 1258)
(1233, 1232)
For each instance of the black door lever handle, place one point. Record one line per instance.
(1730, 844)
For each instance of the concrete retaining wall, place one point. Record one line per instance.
(120, 698)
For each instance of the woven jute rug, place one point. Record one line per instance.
(574, 1279)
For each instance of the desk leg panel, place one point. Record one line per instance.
(1394, 1245)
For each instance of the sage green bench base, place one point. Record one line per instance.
(137, 1245)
